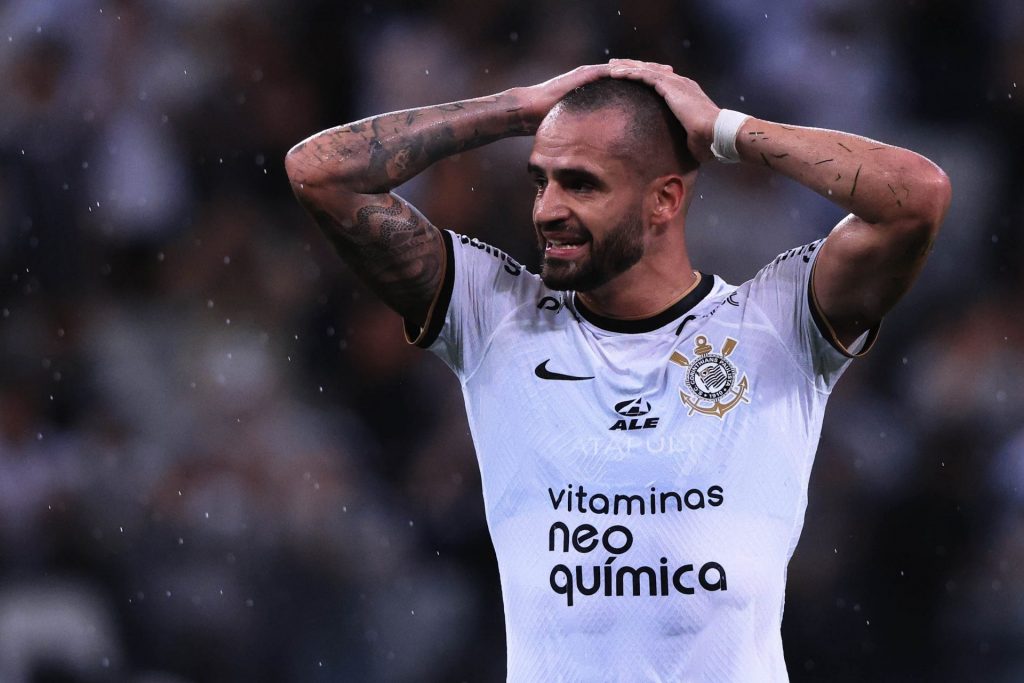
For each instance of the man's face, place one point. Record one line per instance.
(587, 211)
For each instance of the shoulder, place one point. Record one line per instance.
(464, 244)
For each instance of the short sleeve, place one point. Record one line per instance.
(482, 285)
(784, 292)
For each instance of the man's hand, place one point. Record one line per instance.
(537, 100)
(694, 109)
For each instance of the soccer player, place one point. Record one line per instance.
(645, 431)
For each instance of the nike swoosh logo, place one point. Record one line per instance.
(543, 372)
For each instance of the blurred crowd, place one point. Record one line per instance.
(219, 460)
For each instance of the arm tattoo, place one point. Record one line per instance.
(344, 177)
(855, 177)
(393, 249)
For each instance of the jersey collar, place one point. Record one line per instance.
(638, 325)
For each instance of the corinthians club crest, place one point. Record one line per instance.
(710, 386)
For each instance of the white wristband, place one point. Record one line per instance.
(727, 128)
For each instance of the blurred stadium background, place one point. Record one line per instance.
(220, 462)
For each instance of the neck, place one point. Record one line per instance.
(646, 289)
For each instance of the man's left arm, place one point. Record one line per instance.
(896, 198)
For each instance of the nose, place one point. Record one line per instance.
(549, 206)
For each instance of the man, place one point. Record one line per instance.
(645, 431)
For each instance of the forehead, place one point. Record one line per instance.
(589, 140)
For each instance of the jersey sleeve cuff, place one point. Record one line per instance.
(426, 335)
(826, 329)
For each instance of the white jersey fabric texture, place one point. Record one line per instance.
(644, 481)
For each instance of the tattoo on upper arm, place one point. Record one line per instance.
(393, 249)
(893, 190)
(855, 177)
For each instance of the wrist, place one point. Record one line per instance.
(724, 134)
(524, 102)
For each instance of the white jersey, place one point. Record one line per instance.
(644, 481)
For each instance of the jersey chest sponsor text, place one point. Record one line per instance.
(618, 574)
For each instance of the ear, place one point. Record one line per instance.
(668, 199)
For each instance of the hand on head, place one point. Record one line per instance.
(539, 99)
(692, 107)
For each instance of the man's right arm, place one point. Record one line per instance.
(344, 176)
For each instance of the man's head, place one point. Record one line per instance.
(612, 171)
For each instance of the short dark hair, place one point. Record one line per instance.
(652, 123)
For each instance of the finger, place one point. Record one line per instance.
(640, 64)
(652, 78)
(621, 70)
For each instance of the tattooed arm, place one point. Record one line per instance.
(896, 198)
(344, 176)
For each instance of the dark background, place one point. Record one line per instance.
(219, 461)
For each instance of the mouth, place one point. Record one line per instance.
(564, 248)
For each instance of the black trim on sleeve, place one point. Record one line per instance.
(636, 326)
(826, 329)
(424, 337)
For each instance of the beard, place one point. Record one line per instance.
(620, 250)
